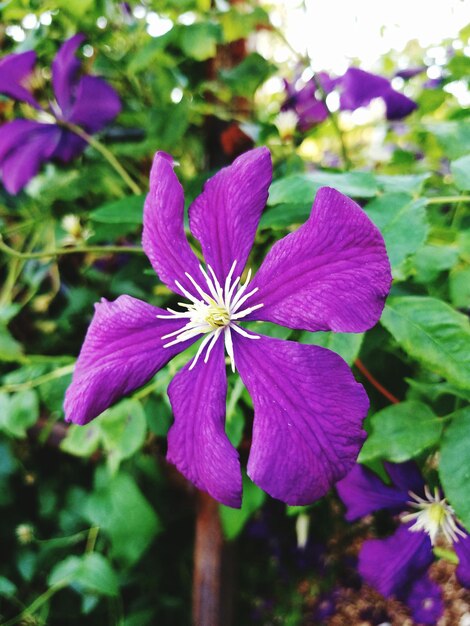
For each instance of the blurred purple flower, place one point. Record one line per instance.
(398, 564)
(331, 274)
(358, 88)
(87, 101)
(303, 102)
(410, 72)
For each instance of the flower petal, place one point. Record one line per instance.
(398, 105)
(363, 492)
(123, 349)
(96, 104)
(308, 413)
(424, 597)
(163, 238)
(391, 564)
(332, 273)
(69, 146)
(406, 476)
(197, 443)
(24, 146)
(65, 68)
(360, 87)
(14, 69)
(226, 215)
(462, 548)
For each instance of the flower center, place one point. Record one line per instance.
(216, 311)
(434, 516)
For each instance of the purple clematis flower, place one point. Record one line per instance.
(331, 274)
(398, 564)
(303, 102)
(86, 101)
(359, 88)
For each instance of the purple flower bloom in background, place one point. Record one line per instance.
(87, 101)
(398, 564)
(359, 88)
(410, 72)
(331, 274)
(303, 102)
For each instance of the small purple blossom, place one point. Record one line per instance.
(309, 110)
(86, 101)
(397, 565)
(331, 274)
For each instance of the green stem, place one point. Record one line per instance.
(447, 199)
(35, 382)
(34, 606)
(109, 156)
(75, 250)
(92, 537)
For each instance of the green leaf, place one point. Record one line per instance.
(454, 464)
(10, 349)
(401, 432)
(431, 260)
(245, 78)
(7, 588)
(453, 137)
(18, 412)
(432, 332)
(301, 188)
(123, 429)
(402, 222)
(461, 172)
(282, 215)
(407, 183)
(119, 508)
(233, 520)
(199, 41)
(128, 210)
(459, 287)
(92, 572)
(81, 440)
(347, 345)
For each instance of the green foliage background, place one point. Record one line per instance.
(95, 528)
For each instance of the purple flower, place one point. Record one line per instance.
(331, 274)
(303, 102)
(86, 101)
(398, 564)
(359, 88)
(410, 72)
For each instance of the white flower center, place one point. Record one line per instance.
(215, 312)
(434, 516)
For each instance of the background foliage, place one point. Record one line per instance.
(95, 528)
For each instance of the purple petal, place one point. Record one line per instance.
(424, 597)
(462, 548)
(24, 146)
(225, 216)
(308, 414)
(123, 349)
(410, 72)
(163, 238)
(65, 68)
(14, 69)
(69, 146)
(96, 104)
(397, 105)
(406, 476)
(363, 492)
(332, 273)
(391, 564)
(197, 443)
(360, 87)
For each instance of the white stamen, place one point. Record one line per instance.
(216, 312)
(434, 516)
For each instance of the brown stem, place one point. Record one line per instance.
(211, 588)
(365, 372)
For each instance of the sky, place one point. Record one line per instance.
(334, 31)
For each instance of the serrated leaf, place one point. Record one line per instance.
(401, 432)
(454, 464)
(430, 331)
